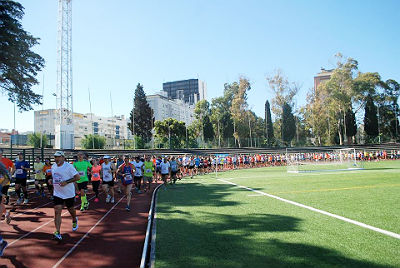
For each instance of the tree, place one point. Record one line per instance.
(239, 110)
(143, 123)
(171, 132)
(288, 124)
(269, 129)
(284, 92)
(208, 129)
(201, 110)
(93, 140)
(18, 63)
(351, 125)
(38, 140)
(221, 116)
(371, 119)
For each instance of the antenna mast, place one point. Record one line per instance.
(64, 138)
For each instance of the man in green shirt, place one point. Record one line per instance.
(82, 167)
(148, 172)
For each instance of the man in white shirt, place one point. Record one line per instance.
(138, 175)
(64, 175)
(165, 170)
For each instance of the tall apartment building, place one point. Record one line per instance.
(322, 76)
(113, 128)
(190, 91)
(164, 107)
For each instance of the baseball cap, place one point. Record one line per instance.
(106, 157)
(59, 153)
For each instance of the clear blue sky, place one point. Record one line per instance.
(117, 44)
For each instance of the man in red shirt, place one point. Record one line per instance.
(10, 167)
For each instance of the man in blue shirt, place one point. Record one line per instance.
(21, 174)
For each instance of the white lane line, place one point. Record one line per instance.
(385, 232)
(41, 226)
(87, 233)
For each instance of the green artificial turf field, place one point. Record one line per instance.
(205, 222)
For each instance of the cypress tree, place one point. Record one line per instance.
(288, 124)
(371, 118)
(208, 128)
(351, 125)
(143, 122)
(269, 129)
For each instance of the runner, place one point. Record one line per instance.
(39, 176)
(148, 172)
(21, 173)
(139, 168)
(64, 175)
(165, 171)
(9, 165)
(174, 170)
(82, 167)
(4, 181)
(120, 161)
(49, 178)
(108, 174)
(96, 170)
(126, 172)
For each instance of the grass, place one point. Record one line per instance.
(204, 222)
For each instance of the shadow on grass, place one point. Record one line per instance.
(208, 239)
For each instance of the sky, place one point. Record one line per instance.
(118, 44)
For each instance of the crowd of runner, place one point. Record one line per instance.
(64, 181)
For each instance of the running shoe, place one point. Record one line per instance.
(112, 200)
(128, 208)
(108, 198)
(7, 200)
(26, 201)
(3, 246)
(75, 225)
(96, 200)
(86, 205)
(82, 209)
(51, 197)
(57, 236)
(19, 201)
(139, 192)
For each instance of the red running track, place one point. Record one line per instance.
(108, 236)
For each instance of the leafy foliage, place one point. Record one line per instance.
(93, 140)
(38, 140)
(18, 63)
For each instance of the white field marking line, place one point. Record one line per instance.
(87, 233)
(254, 195)
(363, 225)
(44, 224)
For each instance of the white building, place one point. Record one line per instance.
(113, 128)
(166, 108)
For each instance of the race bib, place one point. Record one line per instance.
(148, 170)
(128, 177)
(19, 171)
(49, 171)
(81, 173)
(38, 171)
(57, 179)
(96, 175)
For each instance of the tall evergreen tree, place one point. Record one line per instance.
(371, 118)
(18, 63)
(143, 122)
(269, 129)
(208, 128)
(288, 124)
(351, 125)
